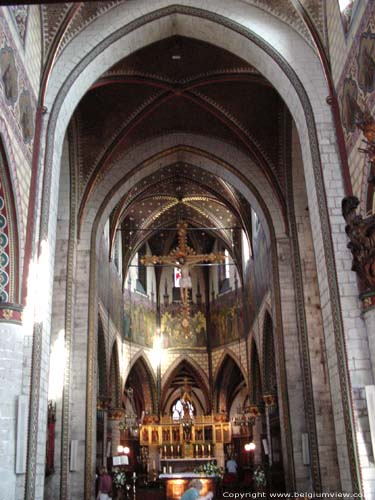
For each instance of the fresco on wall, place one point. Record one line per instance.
(366, 62)
(19, 15)
(357, 81)
(174, 335)
(139, 318)
(9, 75)
(227, 318)
(349, 104)
(26, 116)
(13, 79)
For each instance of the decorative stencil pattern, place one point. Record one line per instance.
(4, 249)
(20, 14)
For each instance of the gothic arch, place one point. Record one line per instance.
(228, 352)
(307, 93)
(197, 373)
(9, 229)
(268, 358)
(256, 383)
(229, 380)
(115, 378)
(141, 379)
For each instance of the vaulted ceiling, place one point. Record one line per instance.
(180, 85)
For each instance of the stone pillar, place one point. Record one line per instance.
(269, 440)
(11, 358)
(368, 301)
(257, 438)
(114, 421)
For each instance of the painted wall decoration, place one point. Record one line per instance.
(17, 97)
(139, 318)
(20, 15)
(173, 333)
(356, 93)
(356, 83)
(4, 249)
(366, 61)
(227, 318)
(349, 103)
(9, 75)
(26, 116)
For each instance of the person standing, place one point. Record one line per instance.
(193, 493)
(105, 485)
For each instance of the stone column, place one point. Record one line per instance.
(368, 301)
(11, 357)
(114, 418)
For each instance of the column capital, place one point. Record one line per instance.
(11, 313)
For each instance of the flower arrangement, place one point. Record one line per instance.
(209, 469)
(119, 479)
(260, 477)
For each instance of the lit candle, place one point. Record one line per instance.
(209, 448)
(172, 449)
(134, 475)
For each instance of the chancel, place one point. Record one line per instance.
(187, 249)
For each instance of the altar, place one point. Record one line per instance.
(176, 483)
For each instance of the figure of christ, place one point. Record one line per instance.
(183, 257)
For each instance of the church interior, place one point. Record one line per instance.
(187, 241)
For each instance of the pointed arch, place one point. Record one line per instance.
(114, 378)
(142, 380)
(228, 352)
(256, 385)
(197, 374)
(229, 380)
(9, 233)
(268, 358)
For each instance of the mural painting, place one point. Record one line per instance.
(358, 77)
(227, 318)
(366, 62)
(139, 318)
(349, 103)
(20, 15)
(173, 333)
(26, 116)
(18, 108)
(9, 75)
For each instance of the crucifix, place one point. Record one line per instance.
(183, 257)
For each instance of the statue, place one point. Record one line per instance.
(183, 257)
(361, 233)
